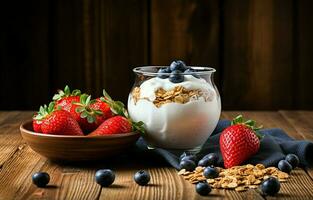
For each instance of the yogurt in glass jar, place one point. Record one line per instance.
(180, 107)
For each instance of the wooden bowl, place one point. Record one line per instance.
(77, 148)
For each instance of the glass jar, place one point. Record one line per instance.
(178, 113)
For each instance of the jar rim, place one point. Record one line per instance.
(147, 70)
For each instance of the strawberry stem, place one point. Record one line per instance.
(85, 110)
(66, 93)
(249, 123)
(44, 111)
(118, 108)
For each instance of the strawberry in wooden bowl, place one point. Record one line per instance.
(75, 128)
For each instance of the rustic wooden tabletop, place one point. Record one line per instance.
(18, 162)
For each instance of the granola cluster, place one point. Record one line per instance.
(178, 94)
(239, 178)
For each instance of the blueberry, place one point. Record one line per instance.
(176, 77)
(293, 160)
(178, 65)
(212, 158)
(203, 188)
(204, 162)
(41, 179)
(163, 70)
(190, 70)
(142, 177)
(284, 166)
(105, 177)
(270, 186)
(188, 165)
(189, 157)
(210, 172)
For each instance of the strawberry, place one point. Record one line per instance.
(239, 142)
(114, 125)
(65, 98)
(91, 113)
(88, 113)
(121, 123)
(57, 122)
(37, 125)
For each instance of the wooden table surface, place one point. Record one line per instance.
(18, 162)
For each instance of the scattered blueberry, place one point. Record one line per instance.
(190, 70)
(270, 186)
(293, 160)
(41, 179)
(105, 177)
(210, 172)
(203, 188)
(188, 165)
(212, 158)
(204, 162)
(163, 70)
(284, 166)
(176, 77)
(178, 65)
(142, 177)
(189, 157)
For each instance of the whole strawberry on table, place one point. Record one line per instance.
(74, 113)
(239, 141)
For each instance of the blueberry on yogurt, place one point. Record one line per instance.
(176, 77)
(162, 71)
(178, 65)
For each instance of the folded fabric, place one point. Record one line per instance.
(275, 145)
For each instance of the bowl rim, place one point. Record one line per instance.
(30, 132)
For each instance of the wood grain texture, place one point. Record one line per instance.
(24, 54)
(261, 49)
(187, 30)
(257, 54)
(121, 45)
(304, 49)
(76, 181)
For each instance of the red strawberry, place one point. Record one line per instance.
(57, 122)
(88, 113)
(239, 142)
(117, 124)
(65, 99)
(114, 125)
(37, 125)
(91, 113)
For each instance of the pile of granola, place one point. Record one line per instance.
(178, 94)
(239, 178)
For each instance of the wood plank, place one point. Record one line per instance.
(66, 45)
(187, 30)
(53, 188)
(79, 185)
(303, 52)
(114, 45)
(24, 56)
(11, 140)
(299, 181)
(15, 175)
(257, 54)
(302, 122)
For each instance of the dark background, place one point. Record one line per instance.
(262, 49)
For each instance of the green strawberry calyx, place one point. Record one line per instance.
(249, 123)
(66, 93)
(118, 108)
(83, 107)
(44, 111)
